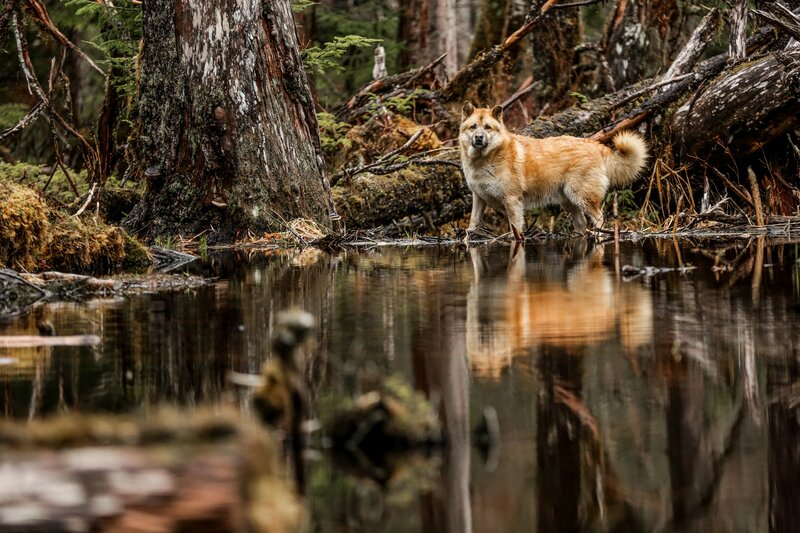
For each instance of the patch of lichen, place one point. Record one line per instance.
(24, 227)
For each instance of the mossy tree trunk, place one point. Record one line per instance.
(553, 46)
(227, 133)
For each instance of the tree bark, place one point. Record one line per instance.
(737, 46)
(412, 32)
(639, 39)
(228, 136)
(553, 50)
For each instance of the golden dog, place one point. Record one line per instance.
(510, 172)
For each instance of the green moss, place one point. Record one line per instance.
(59, 191)
(137, 255)
(23, 226)
(84, 245)
(34, 237)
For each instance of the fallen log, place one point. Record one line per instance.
(370, 200)
(739, 113)
(170, 471)
(34, 341)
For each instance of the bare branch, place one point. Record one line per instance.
(87, 202)
(39, 12)
(32, 115)
(349, 172)
(633, 96)
(34, 87)
(578, 4)
(781, 17)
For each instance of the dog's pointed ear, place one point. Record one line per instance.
(467, 109)
(497, 113)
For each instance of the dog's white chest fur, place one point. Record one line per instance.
(482, 180)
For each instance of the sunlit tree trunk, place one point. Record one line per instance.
(448, 33)
(227, 132)
(428, 29)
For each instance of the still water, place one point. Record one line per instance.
(665, 402)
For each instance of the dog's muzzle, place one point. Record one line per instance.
(479, 141)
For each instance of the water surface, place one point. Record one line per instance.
(661, 403)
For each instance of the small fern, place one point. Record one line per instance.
(401, 104)
(118, 41)
(298, 6)
(582, 98)
(319, 59)
(332, 133)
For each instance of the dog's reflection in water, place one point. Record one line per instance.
(568, 300)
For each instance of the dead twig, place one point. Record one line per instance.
(527, 86)
(388, 169)
(87, 202)
(354, 171)
(633, 96)
(35, 88)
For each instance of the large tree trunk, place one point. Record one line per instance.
(227, 130)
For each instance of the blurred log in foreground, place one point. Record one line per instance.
(171, 472)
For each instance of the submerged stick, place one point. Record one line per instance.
(751, 176)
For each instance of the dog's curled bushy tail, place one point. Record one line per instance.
(627, 159)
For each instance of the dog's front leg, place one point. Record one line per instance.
(478, 207)
(516, 216)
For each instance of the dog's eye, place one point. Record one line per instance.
(488, 127)
(473, 126)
